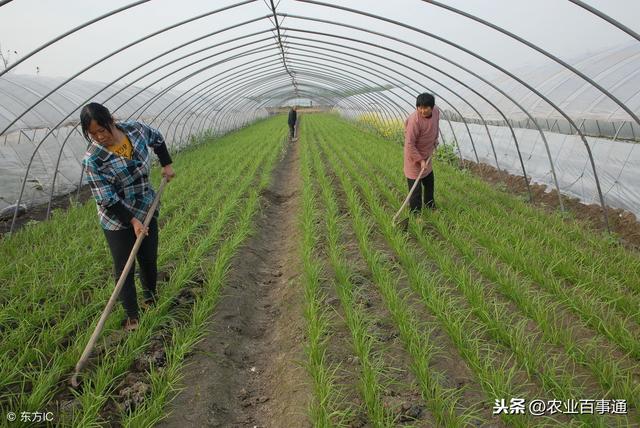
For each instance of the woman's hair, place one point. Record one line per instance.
(97, 112)
(425, 100)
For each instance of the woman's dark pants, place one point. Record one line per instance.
(419, 198)
(121, 243)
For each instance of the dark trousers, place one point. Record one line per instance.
(292, 129)
(419, 198)
(121, 243)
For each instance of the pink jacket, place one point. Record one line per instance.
(420, 141)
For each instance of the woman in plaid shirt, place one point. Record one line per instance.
(117, 165)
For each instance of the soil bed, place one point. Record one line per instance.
(248, 370)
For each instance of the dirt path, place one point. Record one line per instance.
(248, 371)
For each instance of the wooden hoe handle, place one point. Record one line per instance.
(84, 359)
(413, 188)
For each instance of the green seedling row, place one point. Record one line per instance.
(533, 304)
(505, 328)
(553, 374)
(617, 378)
(462, 331)
(197, 222)
(359, 323)
(117, 363)
(540, 307)
(442, 401)
(185, 336)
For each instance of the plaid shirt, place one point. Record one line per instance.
(113, 178)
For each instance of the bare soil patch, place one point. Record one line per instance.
(248, 370)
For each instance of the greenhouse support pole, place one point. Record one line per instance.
(532, 89)
(607, 18)
(452, 63)
(122, 49)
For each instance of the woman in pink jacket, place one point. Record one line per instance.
(420, 142)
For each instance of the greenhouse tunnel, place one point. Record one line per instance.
(256, 241)
(569, 123)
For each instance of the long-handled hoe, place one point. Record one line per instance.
(406, 200)
(84, 359)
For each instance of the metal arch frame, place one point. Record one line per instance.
(538, 49)
(279, 38)
(263, 75)
(373, 95)
(441, 84)
(194, 74)
(401, 74)
(123, 88)
(185, 93)
(189, 55)
(15, 99)
(387, 68)
(147, 103)
(342, 80)
(468, 71)
(205, 36)
(136, 94)
(354, 65)
(203, 97)
(228, 70)
(129, 99)
(142, 108)
(68, 33)
(438, 95)
(411, 94)
(200, 95)
(103, 59)
(186, 55)
(401, 116)
(204, 94)
(32, 91)
(195, 62)
(452, 63)
(235, 101)
(205, 111)
(471, 17)
(607, 18)
(127, 46)
(311, 94)
(418, 84)
(486, 61)
(355, 102)
(270, 62)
